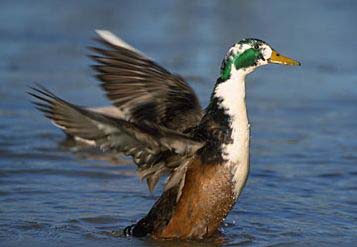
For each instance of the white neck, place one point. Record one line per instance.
(232, 93)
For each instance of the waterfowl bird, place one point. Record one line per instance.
(161, 125)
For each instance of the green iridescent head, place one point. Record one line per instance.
(248, 54)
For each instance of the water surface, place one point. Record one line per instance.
(302, 186)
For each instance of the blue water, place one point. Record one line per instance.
(303, 182)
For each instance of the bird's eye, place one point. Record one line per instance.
(256, 46)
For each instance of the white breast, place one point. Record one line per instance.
(232, 93)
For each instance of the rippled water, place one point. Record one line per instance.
(302, 186)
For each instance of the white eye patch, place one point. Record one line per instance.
(266, 51)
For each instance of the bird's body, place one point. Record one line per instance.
(158, 121)
(200, 210)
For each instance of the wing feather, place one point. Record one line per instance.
(144, 90)
(155, 149)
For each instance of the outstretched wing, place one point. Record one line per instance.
(142, 89)
(156, 150)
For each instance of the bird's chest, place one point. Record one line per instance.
(236, 153)
(206, 199)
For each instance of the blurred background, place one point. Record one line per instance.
(302, 186)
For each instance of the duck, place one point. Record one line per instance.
(156, 119)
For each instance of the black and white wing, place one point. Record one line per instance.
(155, 149)
(142, 89)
